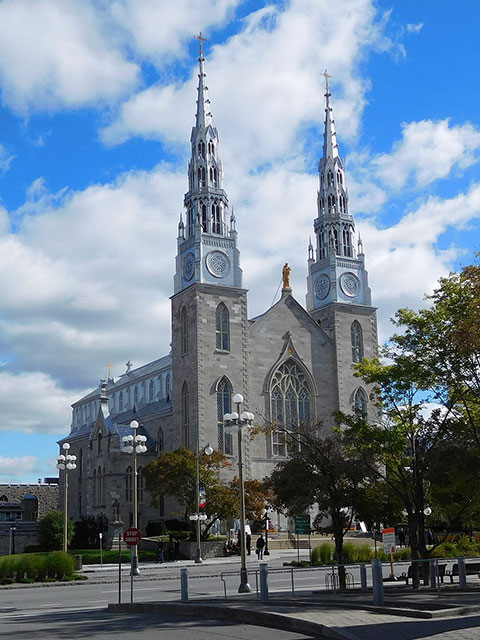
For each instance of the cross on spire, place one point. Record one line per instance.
(326, 75)
(201, 39)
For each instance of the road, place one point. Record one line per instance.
(98, 624)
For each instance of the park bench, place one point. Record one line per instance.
(442, 572)
(471, 569)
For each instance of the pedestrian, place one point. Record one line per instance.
(160, 556)
(249, 544)
(259, 547)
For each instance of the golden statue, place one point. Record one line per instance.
(286, 276)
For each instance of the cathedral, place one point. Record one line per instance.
(292, 364)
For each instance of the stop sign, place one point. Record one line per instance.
(132, 536)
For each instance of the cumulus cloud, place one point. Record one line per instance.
(11, 468)
(428, 151)
(33, 402)
(266, 82)
(55, 53)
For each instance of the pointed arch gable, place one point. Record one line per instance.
(289, 352)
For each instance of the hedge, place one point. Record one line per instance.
(36, 567)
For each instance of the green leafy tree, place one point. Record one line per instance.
(50, 530)
(321, 473)
(174, 474)
(433, 361)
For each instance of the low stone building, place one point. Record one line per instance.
(21, 506)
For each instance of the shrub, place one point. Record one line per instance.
(59, 565)
(156, 528)
(322, 554)
(180, 535)
(50, 530)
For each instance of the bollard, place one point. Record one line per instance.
(263, 581)
(184, 583)
(377, 578)
(433, 573)
(363, 577)
(462, 575)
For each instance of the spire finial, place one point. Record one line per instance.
(326, 75)
(201, 39)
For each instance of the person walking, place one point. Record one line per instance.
(259, 547)
(249, 544)
(160, 556)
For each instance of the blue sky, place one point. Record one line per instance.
(97, 104)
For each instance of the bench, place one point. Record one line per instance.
(442, 572)
(471, 569)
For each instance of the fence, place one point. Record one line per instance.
(438, 573)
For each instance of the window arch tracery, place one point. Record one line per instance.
(357, 341)
(290, 398)
(222, 328)
(360, 402)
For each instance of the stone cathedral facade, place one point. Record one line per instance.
(292, 364)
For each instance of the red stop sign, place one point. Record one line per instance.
(132, 536)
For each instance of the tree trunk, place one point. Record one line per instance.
(338, 536)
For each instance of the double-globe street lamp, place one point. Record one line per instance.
(199, 517)
(66, 462)
(134, 443)
(234, 422)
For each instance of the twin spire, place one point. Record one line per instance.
(204, 116)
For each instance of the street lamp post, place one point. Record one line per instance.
(134, 443)
(66, 462)
(12, 540)
(266, 552)
(197, 516)
(235, 422)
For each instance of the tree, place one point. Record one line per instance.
(174, 474)
(319, 472)
(88, 530)
(427, 392)
(50, 530)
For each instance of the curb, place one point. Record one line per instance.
(234, 614)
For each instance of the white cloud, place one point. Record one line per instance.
(57, 53)
(17, 467)
(33, 402)
(415, 27)
(428, 151)
(5, 159)
(156, 30)
(266, 82)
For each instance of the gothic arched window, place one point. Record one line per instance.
(128, 484)
(204, 217)
(330, 179)
(290, 399)
(151, 391)
(94, 488)
(99, 442)
(135, 396)
(360, 402)
(357, 341)
(167, 387)
(216, 222)
(185, 415)
(80, 463)
(160, 443)
(120, 401)
(184, 331)
(222, 328)
(224, 404)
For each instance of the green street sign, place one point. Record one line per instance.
(302, 524)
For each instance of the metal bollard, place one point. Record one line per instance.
(184, 583)
(363, 577)
(377, 578)
(462, 574)
(263, 581)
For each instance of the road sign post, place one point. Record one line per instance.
(132, 537)
(388, 537)
(302, 526)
